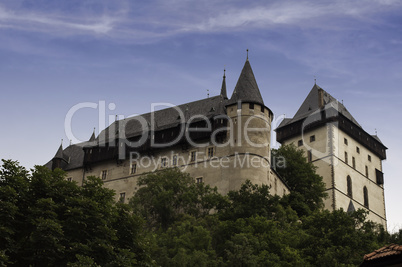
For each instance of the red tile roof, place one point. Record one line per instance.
(384, 252)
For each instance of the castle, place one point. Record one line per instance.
(224, 142)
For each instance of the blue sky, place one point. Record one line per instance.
(56, 54)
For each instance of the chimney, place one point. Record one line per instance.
(320, 98)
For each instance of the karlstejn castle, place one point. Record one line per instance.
(225, 141)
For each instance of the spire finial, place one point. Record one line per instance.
(315, 80)
(247, 53)
(375, 131)
(71, 142)
(224, 73)
(61, 141)
(208, 93)
(94, 129)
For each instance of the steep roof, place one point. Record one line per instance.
(311, 104)
(223, 88)
(246, 89)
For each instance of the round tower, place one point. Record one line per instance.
(249, 133)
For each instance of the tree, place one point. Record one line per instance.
(307, 189)
(46, 220)
(167, 195)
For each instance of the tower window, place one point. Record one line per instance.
(312, 138)
(358, 149)
(122, 197)
(369, 158)
(380, 176)
(345, 141)
(346, 157)
(163, 162)
(198, 180)
(134, 168)
(367, 174)
(210, 152)
(262, 109)
(300, 143)
(104, 174)
(193, 155)
(174, 160)
(365, 195)
(349, 186)
(69, 179)
(309, 156)
(251, 106)
(353, 162)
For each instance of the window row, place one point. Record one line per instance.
(345, 141)
(350, 191)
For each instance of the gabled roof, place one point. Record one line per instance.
(390, 255)
(246, 89)
(311, 105)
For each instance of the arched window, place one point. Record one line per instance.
(349, 185)
(365, 194)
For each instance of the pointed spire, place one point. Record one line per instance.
(246, 89)
(59, 153)
(92, 138)
(223, 88)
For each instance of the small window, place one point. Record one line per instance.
(262, 109)
(309, 156)
(198, 180)
(134, 168)
(69, 179)
(122, 197)
(345, 141)
(369, 158)
(163, 162)
(365, 194)
(210, 152)
(367, 174)
(300, 143)
(174, 160)
(346, 157)
(251, 106)
(349, 186)
(104, 174)
(353, 162)
(358, 150)
(193, 155)
(380, 176)
(312, 138)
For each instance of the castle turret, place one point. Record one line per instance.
(249, 132)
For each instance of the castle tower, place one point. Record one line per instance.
(249, 133)
(347, 157)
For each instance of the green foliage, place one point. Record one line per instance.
(48, 221)
(306, 186)
(167, 195)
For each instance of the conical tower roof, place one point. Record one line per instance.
(223, 88)
(59, 153)
(246, 89)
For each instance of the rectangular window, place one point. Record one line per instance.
(210, 152)
(309, 156)
(163, 162)
(198, 180)
(300, 143)
(69, 179)
(379, 176)
(369, 158)
(367, 175)
(353, 162)
(122, 197)
(134, 168)
(262, 109)
(193, 155)
(345, 141)
(174, 160)
(104, 174)
(312, 138)
(346, 157)
(251, 106)
(358, 149)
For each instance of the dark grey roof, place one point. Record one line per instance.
(311, 105)
(223, 88)
(246, 89)
(166, 118)
(377, 138)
